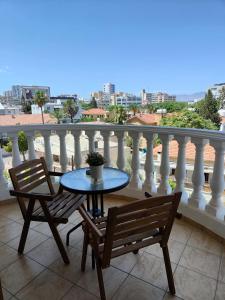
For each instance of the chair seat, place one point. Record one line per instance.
(60, 208)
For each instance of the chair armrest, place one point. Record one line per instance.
(51, 173)
(91, 225)
(32, 195)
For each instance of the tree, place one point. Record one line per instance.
(222, 97)
(118, 114)
(208, 108)
(171, 106)
(150, 108)
(188, 119)
(93, 103)
(58, 115)
(70, 109)
(134, 108)
(26, 107)
(22, 142)
(40, 100)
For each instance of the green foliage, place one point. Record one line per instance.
(93, 103)
(187, 119)
(95, 159)
(85, 105)
(208, 108)
(26, 107)
(87, 119)
(170, 106)
(222, 98)
(58, 114)
(70, 109)
(22, 142)
(150, 108)
(172, 183)
(118, 114)
(40, 100)
(134, 108)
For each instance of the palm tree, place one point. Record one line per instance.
(58, 115)
(134, 108)
(70, 109)
(40, 100)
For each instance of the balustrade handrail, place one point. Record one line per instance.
(190, 132)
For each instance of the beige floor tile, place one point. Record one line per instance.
(11, 211)
(175, 250)
(10, 231)
(45, 229)
(34, 238)
(75, 237)
(112, 277)
(151, 269)
(19, 273)
(46, 286)
(4, 220)
(220, 291)
(203, 240)
(45, 253)
(168, 296)
(6, 294)
(134, 289)
(181, 232)
(7, 255)
(193, 286)
(72, 271)
(222, 270)
(77, 293)
(200, 261)
(126, 262)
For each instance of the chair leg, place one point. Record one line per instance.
(100, 279)
(84, 252)
(169, 272)
(70, 231)
(1, 293)
(55, 234)
(26, 226)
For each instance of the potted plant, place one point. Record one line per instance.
(96, 162)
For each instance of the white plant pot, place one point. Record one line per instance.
(96, 173)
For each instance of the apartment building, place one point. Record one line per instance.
(155, 97)
(216, 89)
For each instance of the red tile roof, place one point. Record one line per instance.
(94, 111)
(145, 119)
(9, 120)
(209, 152)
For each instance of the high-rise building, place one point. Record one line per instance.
(109, 88)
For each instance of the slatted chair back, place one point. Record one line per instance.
(29, 176)
(138, 224)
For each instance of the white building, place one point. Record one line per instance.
(156, 97)
(109, 88)
(127, 99)
(216, 89)
(10, 110)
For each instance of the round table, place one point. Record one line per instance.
(78, 181)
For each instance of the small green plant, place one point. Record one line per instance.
(172, 184)
(95, 159)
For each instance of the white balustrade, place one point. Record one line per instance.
(164, 186)
(91, 139)
(149, 183)
(3, 182)
(30, 141)
(106, 136)
(77, 150)
(63, 155)
(120, 154)
(216, 204)
(180, 172)
(197, 198)
(16, 160)
(135, 181)
(48, 152)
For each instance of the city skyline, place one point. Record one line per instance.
(172, 46)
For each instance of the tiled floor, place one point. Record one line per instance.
(198, 262)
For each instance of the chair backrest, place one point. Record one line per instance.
(28, 176)
(139, 224)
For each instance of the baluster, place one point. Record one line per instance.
(164, 186)
(197, 199)
(91, 139)
(120, 156)
(63, 155)
(48, 152)
(77, 151)
(135, 182)
(215, 206)
(149, 184)
(30, 141)
(106, 135)
(16, 160)
(180, 172)
(3, 182)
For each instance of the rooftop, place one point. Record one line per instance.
(145, 119)
(8, 120)
(94, 111)
(198, 262)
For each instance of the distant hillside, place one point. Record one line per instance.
(191, 97)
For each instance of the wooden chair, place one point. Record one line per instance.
(1, 292)
(129, 228)
(53, 208)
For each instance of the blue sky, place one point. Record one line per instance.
(75, 46)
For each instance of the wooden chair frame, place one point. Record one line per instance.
(54, 208)
(1, 292)
(129, 228)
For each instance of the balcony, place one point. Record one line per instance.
(196, 244)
